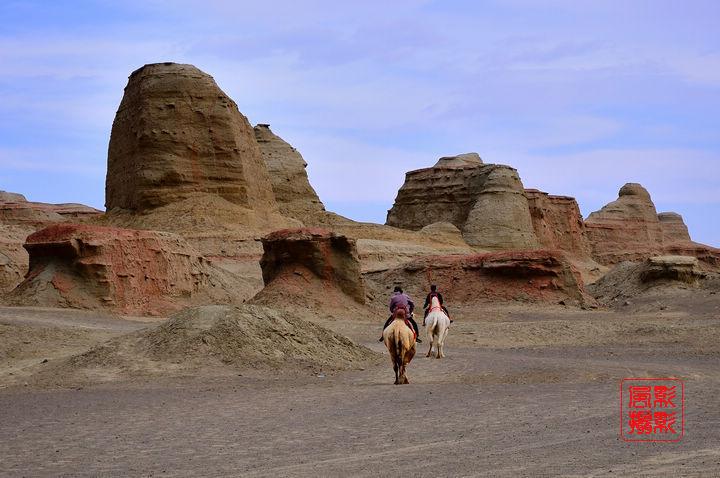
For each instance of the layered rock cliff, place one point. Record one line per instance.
(558, 223)
(485, 201)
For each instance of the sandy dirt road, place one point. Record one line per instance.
(508, 410)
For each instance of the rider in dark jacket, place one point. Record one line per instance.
(428, 301)
(401, 299)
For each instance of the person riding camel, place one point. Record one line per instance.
(401, 299)
(428, 301)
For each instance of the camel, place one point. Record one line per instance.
(438, 326)
(400, 342)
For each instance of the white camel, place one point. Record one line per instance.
(437, 324)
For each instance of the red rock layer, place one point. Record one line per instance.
(331, 260)
(531, 275)
(129, 271)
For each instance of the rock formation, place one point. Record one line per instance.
(293, 192)
(310, 264)
(486, 202)
(18, 219)
(13, 257)
(627, 229)
(673, 228)
(128, 271)
(176, 134)
(534, 276)
(558, 223)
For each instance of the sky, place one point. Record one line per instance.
(579, 96)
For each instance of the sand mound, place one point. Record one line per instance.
(214, 340)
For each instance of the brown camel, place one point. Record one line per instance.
(400, 342)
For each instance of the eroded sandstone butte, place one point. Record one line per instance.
(558, 223)
(128, 271)
(294, 194)
(176, 134)
(485, 201)
(310, 264)
(627, 229)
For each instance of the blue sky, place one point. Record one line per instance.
(580, 96)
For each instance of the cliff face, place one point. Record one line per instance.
(485, 201)
(558, 223)
(177, 134)
(294, 194)
(673, 228)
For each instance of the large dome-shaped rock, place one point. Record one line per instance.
(176, 134)
(485, 201)
(626, 229)
(310, 267)
(127, 271)
(293, 192)
(558, 223)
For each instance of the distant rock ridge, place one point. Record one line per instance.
(485, 201)
(177, 134)
(630, 229)
(294, 194)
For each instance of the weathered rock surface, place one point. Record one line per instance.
(13, 257)
(653, 281)
(310, 265)
(16, 210)
(291, 186)
(128, 271)
(176, 134)
(558, 223)
(673, 228)
(532, 275)
(486, 202)
(627, 229)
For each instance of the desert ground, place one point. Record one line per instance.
(523, 391)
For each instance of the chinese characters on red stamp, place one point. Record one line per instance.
(652, 409)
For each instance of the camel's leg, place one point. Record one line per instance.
(397, 375)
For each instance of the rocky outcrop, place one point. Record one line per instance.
(673, 228)
(18, 219)
(486, 202)
(16, 210)
(176, 134)
(315, 265)
(13, 257)
(291, 186)
(558, 223)
(127, 271)
(531, 276)
(627, 229)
